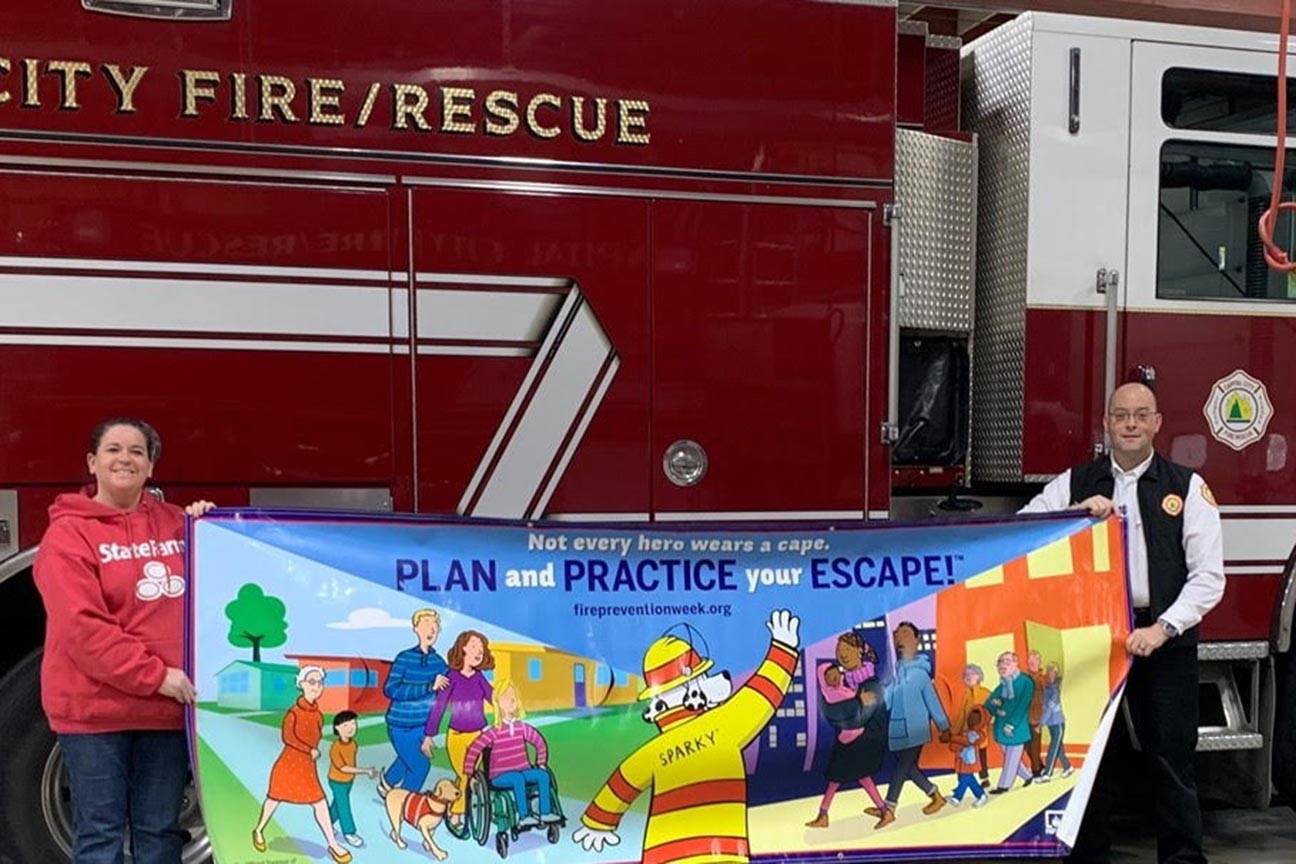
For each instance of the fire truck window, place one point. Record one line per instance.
(1212, 196)
(1223, 101)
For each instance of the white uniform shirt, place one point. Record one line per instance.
(1203, 541)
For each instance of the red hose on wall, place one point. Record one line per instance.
(1275, 256)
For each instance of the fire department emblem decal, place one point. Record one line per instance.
(1238, 410)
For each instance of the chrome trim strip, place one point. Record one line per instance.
(757, 515)
(233, 171)
(946, 43)
(17, 563)
(510, 162)
(529, 188)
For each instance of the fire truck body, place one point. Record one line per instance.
(622, 262)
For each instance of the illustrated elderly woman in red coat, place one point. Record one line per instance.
(293, 777)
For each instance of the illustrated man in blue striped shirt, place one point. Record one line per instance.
(416, 675)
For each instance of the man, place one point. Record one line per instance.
(914, 706)
(1035, 669)
(1176, 573)
(1010, 705)
(975, 696)
(416, 675)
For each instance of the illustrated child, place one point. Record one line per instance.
(967, 745)
(511, 768)
(1055, 720)
(465, 698)
(860, 744)
(342, 773)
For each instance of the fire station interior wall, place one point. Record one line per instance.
(1075, 229)
(217, 310)
(758, 354)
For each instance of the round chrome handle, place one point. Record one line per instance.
(685, 463)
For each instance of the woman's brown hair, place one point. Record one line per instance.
(456, 657)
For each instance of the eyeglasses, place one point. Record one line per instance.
(1141, 416)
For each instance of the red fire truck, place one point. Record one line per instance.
(637, 261)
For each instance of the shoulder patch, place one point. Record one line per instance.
(1172, 504)
(1208, 495)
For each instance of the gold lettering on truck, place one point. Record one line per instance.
(533, 108)
(197, 84)
(277, 93)
(456, 109)
(502, 112)
(5, 68)
(124, 85)
(69, 70)
(409, 101)
(324, 94)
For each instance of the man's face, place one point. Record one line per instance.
(1007, 666)
(906, 643)
(428, 629)
(1132, 422)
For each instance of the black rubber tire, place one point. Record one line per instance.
(1284, 762)
(27, 744)
(554, 834)
(502, 844)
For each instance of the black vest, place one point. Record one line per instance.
(1162, 493)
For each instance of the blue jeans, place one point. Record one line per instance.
(968, 783)
(1056, 750)
(411, 767)
(120, 777)
(340, 806)
(516, 782)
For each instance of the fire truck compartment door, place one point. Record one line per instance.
(759, 341)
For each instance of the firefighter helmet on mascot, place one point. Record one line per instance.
(671, 662)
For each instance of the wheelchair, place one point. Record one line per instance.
(488, 810)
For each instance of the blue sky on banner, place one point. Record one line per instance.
(359, 562)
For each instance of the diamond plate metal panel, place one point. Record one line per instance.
(936, 185)
(996, 100)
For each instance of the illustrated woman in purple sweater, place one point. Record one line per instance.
(511, 768)
(466, 699)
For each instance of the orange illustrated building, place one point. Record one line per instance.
(1028, 604)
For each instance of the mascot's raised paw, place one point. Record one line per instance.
(593, 841)
(783, 626)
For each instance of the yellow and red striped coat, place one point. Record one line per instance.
(698, 810)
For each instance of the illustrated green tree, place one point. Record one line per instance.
(257, 620)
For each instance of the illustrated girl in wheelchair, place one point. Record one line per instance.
(507, 789)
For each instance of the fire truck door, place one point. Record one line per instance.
(530, 373)
(249, 322)
(759, 340)
(1216, 325)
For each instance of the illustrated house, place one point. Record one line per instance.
(350, 683)
(251, 686)
(550, 679)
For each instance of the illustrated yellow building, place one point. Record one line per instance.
(549, 679)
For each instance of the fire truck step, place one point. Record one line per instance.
(1214, 740)
(1232, 651)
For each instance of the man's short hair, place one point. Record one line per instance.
(426, 612)
(1007, 655)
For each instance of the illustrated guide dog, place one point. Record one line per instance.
(424, 810)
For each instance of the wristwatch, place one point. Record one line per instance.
(1171, 631)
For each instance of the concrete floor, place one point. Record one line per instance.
(1232, 837)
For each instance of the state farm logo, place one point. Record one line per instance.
(1238, 410)
(159, 582)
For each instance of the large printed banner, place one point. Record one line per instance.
(401, 689)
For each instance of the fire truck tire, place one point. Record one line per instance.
(28, 744)
(1285, 732)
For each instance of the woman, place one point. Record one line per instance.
(1055, 721)
(466, 698)
(293, 777)
(511, 767)
(860, 743)
(110, 573)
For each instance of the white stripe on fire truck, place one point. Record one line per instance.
(1258, 539)
(571, 364)
(476, 315)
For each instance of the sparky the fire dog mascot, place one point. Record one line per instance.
(694, 766)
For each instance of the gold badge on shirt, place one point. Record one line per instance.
(1172, 504)
(1208, 495)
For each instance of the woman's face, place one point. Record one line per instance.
(312, 687)
(474, 652)
(121, 465)
(848, 656)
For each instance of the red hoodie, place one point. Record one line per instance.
(113, 585)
